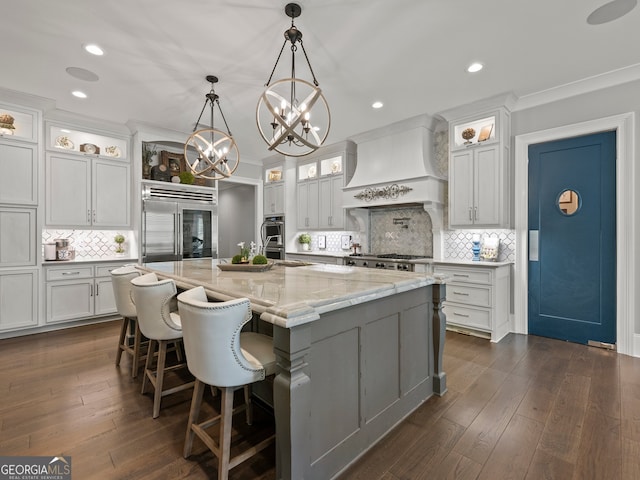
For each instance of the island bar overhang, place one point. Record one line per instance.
(355, 358)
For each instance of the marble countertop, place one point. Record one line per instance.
(289, 296)
(47, 263)
(320, 253)
(471, 263)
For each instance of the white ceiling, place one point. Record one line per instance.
(410, 54)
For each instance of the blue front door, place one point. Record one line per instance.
(572, 238)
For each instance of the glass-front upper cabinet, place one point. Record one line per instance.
(273, 174)
(321, 168)
(18, 123)
(63, 139)
(476, 132)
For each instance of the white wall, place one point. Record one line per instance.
(236, 218)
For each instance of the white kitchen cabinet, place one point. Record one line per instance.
(321, 179)
(307, 197)
(274, 186)
(274, 198)
(19, 167)
(19, 156)
(474, 192)
(83, 191)
(479, 178)
(18, 299)
(478, 298)
(330, 211)
(104, 299)
(87, 178)
(18, 237)
(311, 258)
(76, 291)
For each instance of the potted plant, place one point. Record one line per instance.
(147, 154)
(119, 239)
(305, 240)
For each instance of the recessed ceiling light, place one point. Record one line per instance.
(94, 49)
(611, 11)
(475, 67)
(79, 94)
(377, 105)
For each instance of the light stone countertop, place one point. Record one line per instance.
(471, 263)
(320, 253)
(290, 296)
(62, 263)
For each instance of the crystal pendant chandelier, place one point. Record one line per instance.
(292, 114)
(211, 153)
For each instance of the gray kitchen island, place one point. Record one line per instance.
(357, 351)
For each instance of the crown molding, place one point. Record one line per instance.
(579, 87)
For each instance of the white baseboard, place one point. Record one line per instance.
(636, 345)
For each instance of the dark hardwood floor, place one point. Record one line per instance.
(525, 408)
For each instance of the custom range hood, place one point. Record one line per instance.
(396, 165)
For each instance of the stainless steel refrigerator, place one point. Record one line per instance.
(178, 224)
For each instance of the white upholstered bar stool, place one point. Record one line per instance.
(121, 280)
(159, 321)
(218, 354)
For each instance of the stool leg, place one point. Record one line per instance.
(226, 415)
(136, 350)
(157, 397)
(178, 346)
(194, 412)
(249, 404)
(123, 333)
(148, 363)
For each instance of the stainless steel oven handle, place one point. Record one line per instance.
(178, 242)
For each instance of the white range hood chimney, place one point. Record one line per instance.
(396, 165)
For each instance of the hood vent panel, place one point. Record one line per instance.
(167, 193)
(399, 159)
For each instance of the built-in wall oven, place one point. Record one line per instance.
(272, 236)
(178, 224)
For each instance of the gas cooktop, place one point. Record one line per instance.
(389, 256)
(400, 256)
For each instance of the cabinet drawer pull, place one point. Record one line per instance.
(460, 275)
(461, 293)
(460, 314)
(70, 273)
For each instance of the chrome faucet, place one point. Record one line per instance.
(266, 242)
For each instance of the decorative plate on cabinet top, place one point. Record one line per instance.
(64, 142)
(113, 152)
(312, 171)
